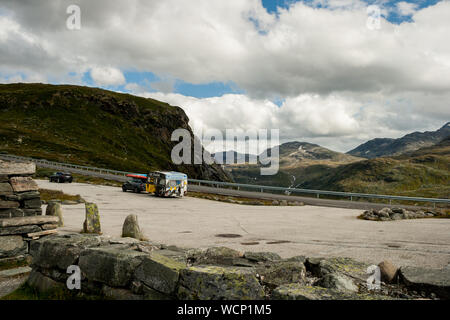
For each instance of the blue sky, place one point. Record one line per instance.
(151, 82)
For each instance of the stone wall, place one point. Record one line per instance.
(21, 219)
(127, 268)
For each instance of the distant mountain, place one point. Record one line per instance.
(294, 154)
(381, 147)
(424, 172)
(234, 157)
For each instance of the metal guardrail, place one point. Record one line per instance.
(351, 195)
(122, 174)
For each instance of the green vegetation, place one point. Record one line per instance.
(90, 126)
(44, 173)
(15, 262)
(424, 173)
(47, 195)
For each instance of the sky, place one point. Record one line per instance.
(321, 71)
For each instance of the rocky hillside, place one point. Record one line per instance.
(90, 126)
(381, 147)
(424, 172)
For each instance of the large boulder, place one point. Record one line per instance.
(11, 246)
(160, 272)
(131, 228)
(215, 255)
(219, 283)
(60, 251)
(54, 209)
(44, 284)
(338, 282)
(261, 256)
(388, 271)
(346, 266)
(110, 265)
(92, 220)
(435, 281)
(282, 272)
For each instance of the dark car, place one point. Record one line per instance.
(61, 177)
(135, 185)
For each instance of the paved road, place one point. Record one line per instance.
(290, 231)
(307, 200)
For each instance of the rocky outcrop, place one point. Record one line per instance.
(219, 283)
(127, 268)
(389, 214)
(144, 126)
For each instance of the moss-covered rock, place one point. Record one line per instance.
(92, 221)
(44, 284)
(131, 228)
(337, 281)
(11, 246)
(282, 272)
(215, 255)
(60, 251)
(295, 291)
(159, 272)
(111, 265)
(319, 267)
(219, 283)
(261, 256)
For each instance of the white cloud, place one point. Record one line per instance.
(406, 8)
(338, 78)
(107, 76)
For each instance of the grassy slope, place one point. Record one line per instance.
(90, 126)
(425, 173)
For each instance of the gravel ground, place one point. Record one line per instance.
(289, 231)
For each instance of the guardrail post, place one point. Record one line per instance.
(351, 198)
(318, 196)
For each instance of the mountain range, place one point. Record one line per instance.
(381, 147)
(422, 168)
